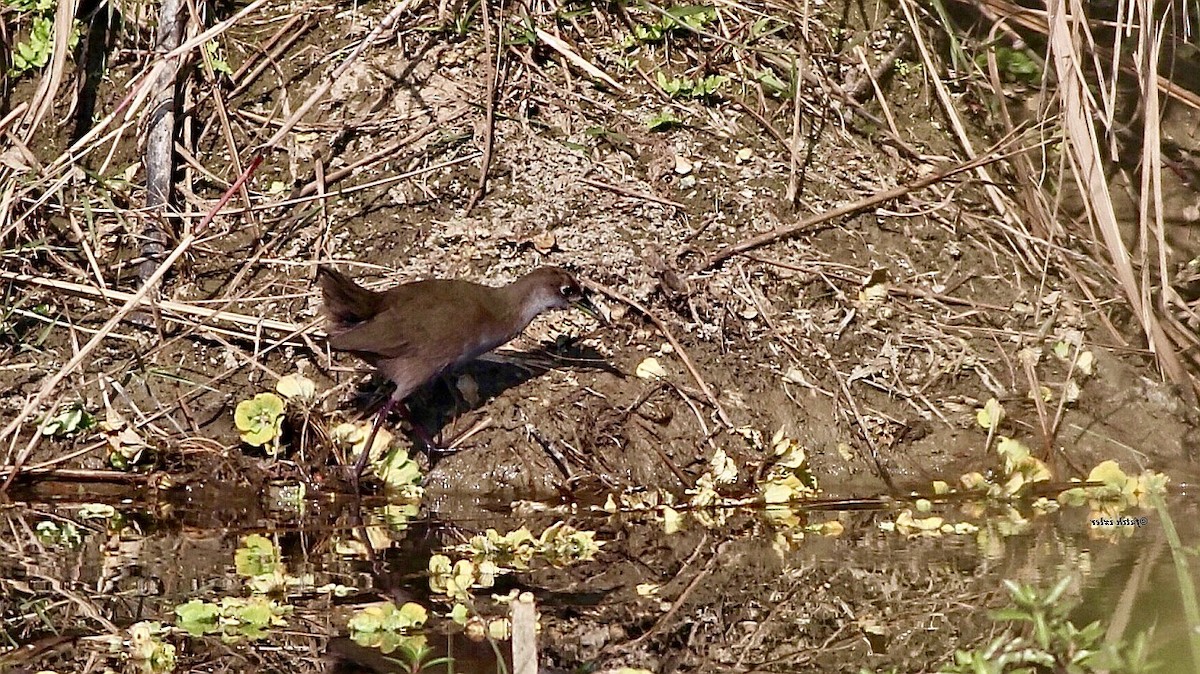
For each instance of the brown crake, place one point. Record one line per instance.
(416, 331)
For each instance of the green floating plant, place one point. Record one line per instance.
(256, 556)
(388, 628)
(492, 553)
(259, 560)
(65, 534)
(148, 652)
(400, 474)
(260, 419)
(234, 618)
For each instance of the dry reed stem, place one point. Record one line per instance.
(560, 46)
(158, 159)
(493, 83)
(1028, 190)
(18, 110)
(523, 614)
(221, 107)
(1085, 155)
(950, 109)
(1037, 20)
(799, 67)
(873, 79)
(1150, 197)
(43, 98)
(140, 87)
(271, 50)
(633, 194)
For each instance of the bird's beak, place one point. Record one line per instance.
(585, 305)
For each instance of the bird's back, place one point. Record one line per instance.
(439, 321)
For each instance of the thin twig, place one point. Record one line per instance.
(583, 64)
(160, 305)
(493, 81)
(631, 194)
(679, 350)
(824, 220)
(683, 596)
(337, 73)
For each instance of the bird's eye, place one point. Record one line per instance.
(567, 291)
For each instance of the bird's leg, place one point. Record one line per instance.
(406, 414)
(432, 449)
(365, 454)
(418, 429)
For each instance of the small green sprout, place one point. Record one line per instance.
(664, 121)
(680, 19)
(256, 556)
(35, 52)
(70, 419)
(686, 87)
(1043, 638)
(125, 446)
(1015, 65)
(520, 33)
(218, 64)
(771, 81)
(990, 415)
(197, 617)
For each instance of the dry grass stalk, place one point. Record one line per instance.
(986, 181)
(182, 308)
(43, 99)
(12, 430)
(826, 219)
(559, 45)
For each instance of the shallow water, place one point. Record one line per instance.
(726, 592)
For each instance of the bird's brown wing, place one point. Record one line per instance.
(435, 321)
(373, 340)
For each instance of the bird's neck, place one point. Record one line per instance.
(523, 300)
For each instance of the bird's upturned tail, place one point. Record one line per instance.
(346, 302)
